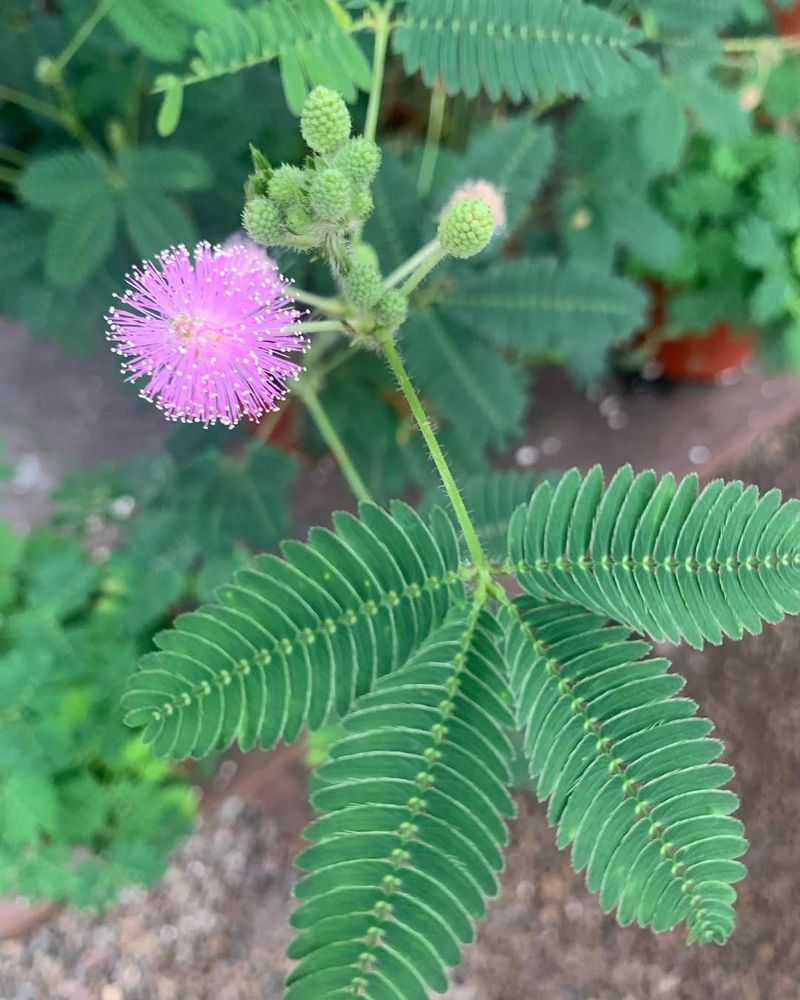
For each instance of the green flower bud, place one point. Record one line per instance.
(325, 122)
(392, 308)
(364, 285)
(298, 221)
(360, 159)
(363, 205)
(364, 253)
(466, 228)
(262, 221)
(286, 185)
(330, 195)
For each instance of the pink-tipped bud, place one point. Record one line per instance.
(482, 191)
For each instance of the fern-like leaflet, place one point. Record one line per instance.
(629, 770)
(667, 559)
(293, 641)
(538, 49)
(414, 805)
(309, 41)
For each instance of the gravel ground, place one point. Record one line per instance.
(213, 929)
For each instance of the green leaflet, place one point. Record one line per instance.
(540, 306)
(469, 382)
(538, 49)
(629, 770)
(413, 805)
(293, 641)
(664, 558)
(312, 45)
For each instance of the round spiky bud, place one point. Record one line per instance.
(363, 205)
(298, 221)
(330, 195)
(365, 253)
(286, 185)
(360, 159)
(364, 285)
(325, 122)
(466, 228)
(392, 308)
(262, 221)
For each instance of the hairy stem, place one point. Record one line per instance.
(410, 265)
(333, 441)
(330, 306)
(430, 155)
(383, 19)
(431, 260)
(448, 480)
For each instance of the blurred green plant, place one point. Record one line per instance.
(85, 809)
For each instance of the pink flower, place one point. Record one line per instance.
(208, 331)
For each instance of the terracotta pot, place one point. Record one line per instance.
(704, 357)
(787, 19)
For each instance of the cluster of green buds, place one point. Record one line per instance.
(322, 206)
(318, 205)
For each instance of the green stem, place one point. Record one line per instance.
(435, 257)
(331, 306)
(383, 19)
(80, 36)
(411, 264)
(448, 480)
(770, 42)
(430, 155)
(34, 105)
(334, 442)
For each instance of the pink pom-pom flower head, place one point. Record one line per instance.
(210, 331)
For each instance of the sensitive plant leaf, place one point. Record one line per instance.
(665, 559)
(758, 245)
(63, 179)
(631, 773)
(154, 220)
(543, 306)
(169, 169)
(412, 808)
(293, 641)
(662, 130)
(22, 245)
(236, 497)
(80, 239)
(28, 808)
(311, 42)
(535, 49)
(467, 381)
